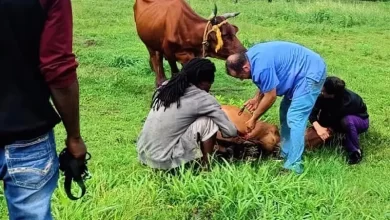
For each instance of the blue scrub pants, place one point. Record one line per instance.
(294, 115)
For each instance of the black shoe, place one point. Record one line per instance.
(355, 157)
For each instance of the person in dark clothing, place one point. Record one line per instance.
(37, 64)
(341, 110)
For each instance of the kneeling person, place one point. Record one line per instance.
(342, 111)
(183, 114)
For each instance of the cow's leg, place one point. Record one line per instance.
(156, 59)
(161, 74)
(173, 65)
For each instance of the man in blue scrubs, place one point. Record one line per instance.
(280, 68)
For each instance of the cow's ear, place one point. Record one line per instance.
(235, 28)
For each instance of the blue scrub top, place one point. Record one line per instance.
(284, 66)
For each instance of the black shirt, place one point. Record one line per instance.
(329, 112)
(35, 54)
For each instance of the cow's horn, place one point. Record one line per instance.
(213, 13)
(215, 10)
(230, 15)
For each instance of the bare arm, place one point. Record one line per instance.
(66, 101)
(259, 95)
(266, 102)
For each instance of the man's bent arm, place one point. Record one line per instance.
(259, 95)
(58, 66)
(267, 81)
(266, 102)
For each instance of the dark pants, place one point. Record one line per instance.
(352, 126)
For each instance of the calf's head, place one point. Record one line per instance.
(267, 135)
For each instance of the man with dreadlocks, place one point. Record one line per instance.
(182, 114)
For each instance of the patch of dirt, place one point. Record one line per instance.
(89, 43)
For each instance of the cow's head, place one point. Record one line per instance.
(267, 135)
(221, 38)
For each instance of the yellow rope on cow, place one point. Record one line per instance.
(218, 34)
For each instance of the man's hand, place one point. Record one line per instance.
(265, 103)
(76, 147)
(252, 104)
(321, 131)
(250, 125)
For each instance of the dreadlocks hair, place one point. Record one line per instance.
(195, 71)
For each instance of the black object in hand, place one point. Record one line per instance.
(74, 169)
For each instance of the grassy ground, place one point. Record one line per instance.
(117, 84)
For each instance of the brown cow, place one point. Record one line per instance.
(170, 29)
(265, 135)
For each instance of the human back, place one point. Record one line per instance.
(164, 127)
(291, 62)
(182, 114)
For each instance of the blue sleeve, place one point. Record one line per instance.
(265, 79)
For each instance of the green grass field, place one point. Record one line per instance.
(117, 85)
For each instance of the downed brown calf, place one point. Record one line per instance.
(264, 136)
(313, 141)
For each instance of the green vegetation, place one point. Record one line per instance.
(116, 88)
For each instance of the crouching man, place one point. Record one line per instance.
(184, 119)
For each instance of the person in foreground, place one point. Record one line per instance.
(183, 113)
(341, 110)
(280, 68)
(37, 64)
